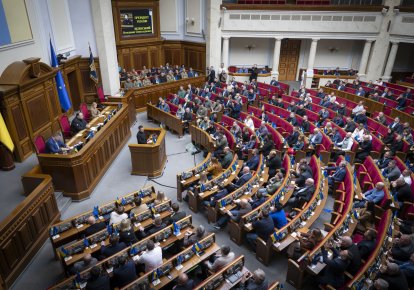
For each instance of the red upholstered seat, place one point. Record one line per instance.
(40, 145)
(99, 91)
(65, 126)
(85, 112)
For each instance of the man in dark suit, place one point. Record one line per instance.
(125, 273)
(333, 274)
(367, 245)
(355, 259)
(349, 125)
(114, 246)
(396, 145)
(302, 176)
(211, 75)
(395, 278)
(94, 227)
(402, 191)
(55, 144)
(338, 175)
(292, 119)
(385, 160)
(183, 283)
(396, 126)
(141, 139)
(364, 149)
(407, 268)
(293, 138)
(253, 162)
(305, 124)
(78, 123)
(177, 214)
(303, 194)
(240, 181)
(98, 281)
(274, 82)
(263, 228)
(158, 225)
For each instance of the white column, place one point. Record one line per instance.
(311, 61)
(390, 61)
(364, 59)
(105, 43)
(213, 37)
(276, 58)
(225, 53)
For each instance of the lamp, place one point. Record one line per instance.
(250, 46)
(333, 49)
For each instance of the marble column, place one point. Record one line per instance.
(105, 43)
(364, 59)
(311, 61)
(390, 62)
(225, 53)
(276, 58)
(213, 37)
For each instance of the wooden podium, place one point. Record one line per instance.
(149, 159)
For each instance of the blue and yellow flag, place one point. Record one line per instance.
(60, 84)
(95, 212)
(176, 228)
(63, 252)
(196, 247)
(92, 68)
(222, 203)
(78, 281)
(5, 136)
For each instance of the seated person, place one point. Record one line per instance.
(117, 215)
(391, 172)
(222, 192)
(94, 110)
(384, 161)
(221, 260)
(126, 232)
(98, 280)
(393, 276)
(396, 145)
(78, 123)
(374, 195)
(86, 262)
(263, 227)
(184, 283)
(355, 260)
(307, 242)
(193, 237)
(243, 207)
(333, 274)
(274, 163)
(303, 175)
(302, 194)
(125, 273)
(367, 245)
(160, 198)
(55, 144)
(278, 216)
(227, 159)
(240, 181)
(407, 268)
(94, 226)
(151, 257)
(114, 246)
(253, 162)
(338, 175)
(315, 138)
(176, 214)
(247, 146)
(293, 138)
(344, 146)
(139, 207)
(256, 282)
(273, 185)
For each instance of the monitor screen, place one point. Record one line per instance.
(136, 22)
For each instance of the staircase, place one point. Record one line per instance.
(62, 202)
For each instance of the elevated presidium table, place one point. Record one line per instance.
(149, 159)
(78, 172)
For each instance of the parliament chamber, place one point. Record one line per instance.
(206, 144)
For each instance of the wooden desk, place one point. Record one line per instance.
(170, 121)
(149, 159)
(129, 100)
(77, 174)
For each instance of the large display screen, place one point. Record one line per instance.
(136, 22)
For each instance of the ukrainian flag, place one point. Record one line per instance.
(5, 136)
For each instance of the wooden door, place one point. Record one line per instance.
(289, 59)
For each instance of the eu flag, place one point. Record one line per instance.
(60, 84)
(92, 68)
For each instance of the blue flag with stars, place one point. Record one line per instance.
(60, 84)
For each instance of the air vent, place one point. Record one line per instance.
(307, 18)
(245, 16)
(285, 17)
(235, 16)
(407, 19)
(347, 18)
(326, 18)
(316, 18)
(369, 19)
(336, 18)
(265, 17)
(295, 17)
(358, 18)
(275, 17)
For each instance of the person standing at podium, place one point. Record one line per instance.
(141, 139)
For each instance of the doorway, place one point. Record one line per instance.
(289, 59)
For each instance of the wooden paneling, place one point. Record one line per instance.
(25, 230)
(29, 103)
(289, 59)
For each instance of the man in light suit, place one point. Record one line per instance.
(338, 175)
(374, 195)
